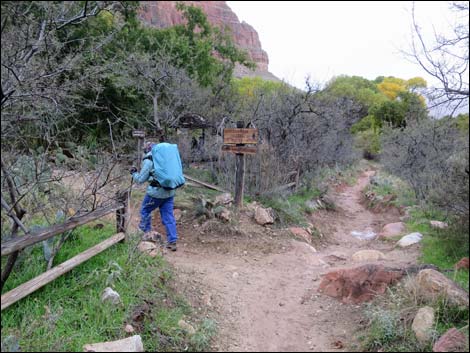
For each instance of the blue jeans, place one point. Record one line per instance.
(166, 212)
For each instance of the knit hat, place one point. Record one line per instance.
(148, 146)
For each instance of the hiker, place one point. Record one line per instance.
(155, 197)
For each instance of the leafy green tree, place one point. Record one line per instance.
(391, 112)
(357, 88)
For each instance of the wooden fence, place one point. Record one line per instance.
(31, 238)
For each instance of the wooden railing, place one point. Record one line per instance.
(31, 238)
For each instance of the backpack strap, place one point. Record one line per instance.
(153, 182)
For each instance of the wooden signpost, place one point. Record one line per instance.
(140, 134)
(236, 141)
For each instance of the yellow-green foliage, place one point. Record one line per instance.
(391, 87)
(250, 86)
(416, 82)
(354, 87)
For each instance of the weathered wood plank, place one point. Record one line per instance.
(240, 149)
(29, 287)
(240, 136)
(31, 238)
(209, 186)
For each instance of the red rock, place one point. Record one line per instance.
(360, 284)
(463, 263)
(162, 14)
(451, 341)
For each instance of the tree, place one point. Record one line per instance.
(446, 59)
(44, 61)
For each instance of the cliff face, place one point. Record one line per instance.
(162, 14)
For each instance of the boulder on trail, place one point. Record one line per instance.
(360, 284)
(451, 341)
(368, 255)
(432, 285)
(263, 216)
(392, 230)
(410, 239)
(423, 324)
(130, 344)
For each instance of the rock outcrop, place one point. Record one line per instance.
(163, 14)
(360, 284)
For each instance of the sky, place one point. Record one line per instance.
(323, 39)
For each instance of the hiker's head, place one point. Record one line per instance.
(148, 146)
(160, 136)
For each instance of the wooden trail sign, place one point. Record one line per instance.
(240, 136)
(240, 141)
(138, 133)
(240, 149)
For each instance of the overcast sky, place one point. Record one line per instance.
(326, 38)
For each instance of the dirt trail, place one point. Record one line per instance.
(262, 287)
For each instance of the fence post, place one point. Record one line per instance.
(121, 214)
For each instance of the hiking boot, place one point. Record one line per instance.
(171, 246)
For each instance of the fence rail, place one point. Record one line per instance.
(32, 238)
(15, 245)
(29, 287)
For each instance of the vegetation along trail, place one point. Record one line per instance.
(262, 283)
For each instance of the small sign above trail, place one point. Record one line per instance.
(138, 133)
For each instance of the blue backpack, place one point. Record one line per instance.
(167, 167)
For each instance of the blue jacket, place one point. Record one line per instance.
(144, 175)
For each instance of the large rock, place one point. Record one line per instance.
(223, 199)
(109, 295)
(263, 216)
(392, 230)
(423, 324)
(368, 255)
(162, 14)
(410, 239)
(439, 224)
(146, 246)
(451, 341)
(130, 344)
(359, 284)
(432, 285)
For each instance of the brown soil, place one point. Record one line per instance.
(260, 284)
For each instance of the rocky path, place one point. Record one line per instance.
(262, 288)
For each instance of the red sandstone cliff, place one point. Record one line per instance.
(163, 14)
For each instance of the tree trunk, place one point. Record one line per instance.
(155, 113)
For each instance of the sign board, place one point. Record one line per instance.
(138, 133)
(240, 136)
(239, 149)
